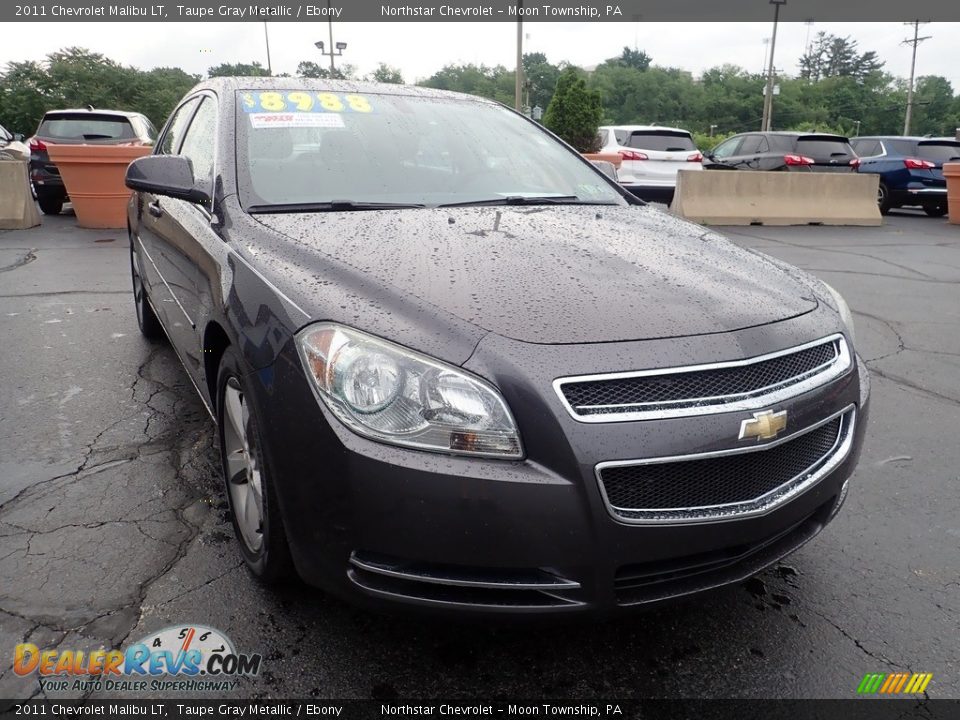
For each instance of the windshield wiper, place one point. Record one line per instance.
(331, 206)
(527, 200)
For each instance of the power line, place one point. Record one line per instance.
(913, 67)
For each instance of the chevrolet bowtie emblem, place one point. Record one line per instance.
(763, 425)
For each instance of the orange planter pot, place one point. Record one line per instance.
(951, 171)
(93, 176)
(606, 157)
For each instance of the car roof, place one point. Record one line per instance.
(793, 134)
(644, 128)
(911, 138)
(228, 84)
(98, 111)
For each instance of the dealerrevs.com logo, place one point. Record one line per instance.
(179, 658)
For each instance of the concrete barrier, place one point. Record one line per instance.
(17, 209)
(740, 197)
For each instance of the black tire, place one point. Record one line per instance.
(50, 205)
(935, 210)
(883, 199)
(150, 326)
(270, 563)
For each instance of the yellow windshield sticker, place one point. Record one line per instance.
(303, 101)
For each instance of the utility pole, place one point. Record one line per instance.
(768, 96)
(913, 68)
(518, 89)
(266, 36)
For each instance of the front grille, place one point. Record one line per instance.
(720, 387)
(727, 483)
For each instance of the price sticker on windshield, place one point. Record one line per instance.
(258, 121)
(302, 101)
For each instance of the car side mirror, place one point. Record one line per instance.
(169, 175)
(708, 155)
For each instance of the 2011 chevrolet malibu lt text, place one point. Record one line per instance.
(453, 366)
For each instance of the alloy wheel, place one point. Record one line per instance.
(242, 466)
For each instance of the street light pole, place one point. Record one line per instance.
(518, 89)
(333, 69)
(767, 121)
(266, 36)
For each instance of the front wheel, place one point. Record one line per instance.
(150, 326)
(253, 506)
(50, 205)
(883, 199)
(938, 210)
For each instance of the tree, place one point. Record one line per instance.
(635, 59)
(540, 77)
(387, 74)
(254, 69)
(833, 56)
(23, 88)
(575, 112)
(310, 69)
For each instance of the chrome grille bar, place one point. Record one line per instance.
(834, 349)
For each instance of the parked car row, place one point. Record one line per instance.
(910, 168)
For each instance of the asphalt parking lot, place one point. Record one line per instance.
(113, 522)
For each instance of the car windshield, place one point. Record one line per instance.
(86, 126)
(939, 152)
(356, 151)
(661, 141)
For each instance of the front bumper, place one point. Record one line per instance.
(385, 526)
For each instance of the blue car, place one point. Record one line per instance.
(910, 170)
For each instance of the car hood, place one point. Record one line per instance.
(555, 274)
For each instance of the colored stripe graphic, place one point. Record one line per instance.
(894, 684)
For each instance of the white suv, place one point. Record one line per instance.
(651, 155)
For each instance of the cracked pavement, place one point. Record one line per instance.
(113, 523)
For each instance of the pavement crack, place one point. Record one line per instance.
(889, 325)
(875, 655)
(911, 385)
(28, 258)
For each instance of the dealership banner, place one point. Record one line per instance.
(189, 709)
(480, 11)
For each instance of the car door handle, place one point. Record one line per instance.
(155, 209)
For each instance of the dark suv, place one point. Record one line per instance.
(79, 127)
(910, 170)
(792, 151)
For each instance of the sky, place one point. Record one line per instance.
(420, 49)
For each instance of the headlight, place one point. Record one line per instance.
(395, 395)
(844, 311)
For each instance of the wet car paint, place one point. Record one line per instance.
(434, 280)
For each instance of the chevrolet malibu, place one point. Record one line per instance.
(453, 366)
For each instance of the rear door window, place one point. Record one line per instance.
(939, 152)
(661, 141)
(867, 148)
(86, 126)
(752, 145)
(901, 147)
(783, 143)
